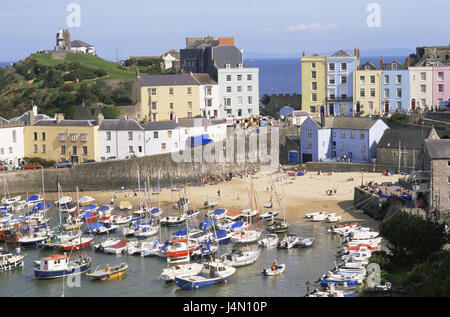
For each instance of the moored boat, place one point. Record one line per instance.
(8, 261)
(211, 273)
(108, 272)
(58, 265)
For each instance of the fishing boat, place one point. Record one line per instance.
(271, 272)
(271, 240)
(240, 258)
(245, 236)
(211, 273)
(222, 236)
(118, 248)
(191, 213)
(150, 248)
(172, 221)
(108, 272)
(357, 256)
(179, 249)
(73, 223)
(146, 230)
(55, 239)
(304, 242)
(219, 213)
(33, 239)
(322, 216)
(107, 243)
(120, 220)
(104, 213)
(278, 226)
(234, 214)
(33, 200)
(156, 212)
(8, 261)
(89, 216)
(182, 204)
(58, 265)
(289, 241)
(180, 270)
(204, 250)
(76, 243)
(85, 200)
(319, 213)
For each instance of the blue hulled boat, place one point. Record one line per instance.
(58, 265)
(211, 273)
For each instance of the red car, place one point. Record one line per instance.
(32, 166)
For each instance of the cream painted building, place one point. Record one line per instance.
(166, 97)
(421, 87)
(314, 83)
(59, 139)
(367, 89)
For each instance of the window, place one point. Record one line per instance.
(169, 134)
(140, 149)
(35, 136)
(249, 88)
(10, 150)
(386, 93)
(163, 146)
(440, 88)
(153, 91)
(423, 76)
(189, 91)
(362, 92)
(341, 146)
(189, 105)
(171, 106)
(208, 102)
(309, 145)
(249, 77)
(85, 150)
(130, 149)
(154, 117)
(62, 136)
(372, 92)
(343, 93)
(342, 134)
(228, 77)
(314, 86)
(73, 137)
(440, 76)
(239, 89)
(352, 134)
(227, 101)
(74, 150)
(154, 106)
(423, 89)
(370, 105)
(228, 88)
(399, 105)
(423, 102)
(448, 179)
(63, 150)
(239, 77)
(155, 134)
(343, 66)
(2, 151)
(170, 91)
(343, 79)
(108, 149)
(361, 135)
(313, 74)
(312, 109)
(309, 133)
(399, 92)
(227, 65)
(331, 80)
(250, 100)
(43, 136)
(363, 148)
(399, 79)
(331, 67)
(386, 79)
(239, 100)
(313, 65)
(372, 79)
(209, 90)
(362, 80)
(314, 97)
(83, 137)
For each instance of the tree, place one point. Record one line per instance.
(53, 79)
(111, 112)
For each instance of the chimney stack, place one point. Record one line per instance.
(303, 54)
(35, 110)
(100, 118)
(408, 61)
(138, 74)
(31, 116)
(59, 117)
(381, 62)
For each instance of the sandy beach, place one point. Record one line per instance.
(304, 194)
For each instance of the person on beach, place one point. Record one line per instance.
(112, 201)
(218, 193)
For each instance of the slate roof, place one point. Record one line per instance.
(406, 137)
(193, 122)
(400, 66)
(348, 123)
(168, 80)
(204, 79)
(26, 117)
(161, 125)
(341, 53)
(369, 64)
(438, 149)
(120, 124)
(78, 43)
(66, 123)
(227, 54)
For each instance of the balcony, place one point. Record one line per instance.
(333, 98)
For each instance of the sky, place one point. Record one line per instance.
(281, 28)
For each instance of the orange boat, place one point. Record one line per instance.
(234, 214)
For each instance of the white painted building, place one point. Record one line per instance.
(421, 87)
(209, 96)
(170, 58)
(11, 143)
(120, 138)
(78, 46)
(162, 137)
(215, 130)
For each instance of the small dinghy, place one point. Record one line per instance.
(279, 269)
(269, 215)
(304, 242)
(108, 272)
(271, 240)
(117, 248)
(289, 241)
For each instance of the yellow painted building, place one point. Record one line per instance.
(165, 97)
(367, 89)
(314, 83)
(58, 139)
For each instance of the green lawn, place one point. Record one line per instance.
(89, 61)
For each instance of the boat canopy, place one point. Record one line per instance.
(89, 207)
(154, 210)
(103, 208)
(237, 224)
(221, 234)
(205, 224)
(41, 206)
(93, 227)
(219, 211)
(63, 200)
(33, 198)
(87, 214)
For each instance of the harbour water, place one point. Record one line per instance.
(142, 278)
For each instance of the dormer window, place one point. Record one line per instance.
(227, 65)
(240, 65)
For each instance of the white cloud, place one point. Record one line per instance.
(269, 29)
(316, 26)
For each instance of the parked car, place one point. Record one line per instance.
(88, 161)
(31, 166)
(130, 156)
(111, 158)
(62, 164)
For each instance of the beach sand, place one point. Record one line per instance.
(304, 194)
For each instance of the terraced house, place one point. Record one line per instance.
(395, 87)
(59, 139)
(367, 83)
(314, 83)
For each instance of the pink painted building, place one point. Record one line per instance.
(441, 84)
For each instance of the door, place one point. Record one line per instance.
(322, 111)
(358, 107)
(413, 104)
(293, 157)
(74, 159)
(386, 107)
(331, 110)
(306, 157)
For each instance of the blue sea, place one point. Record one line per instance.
(283, 75)
(5, 64)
